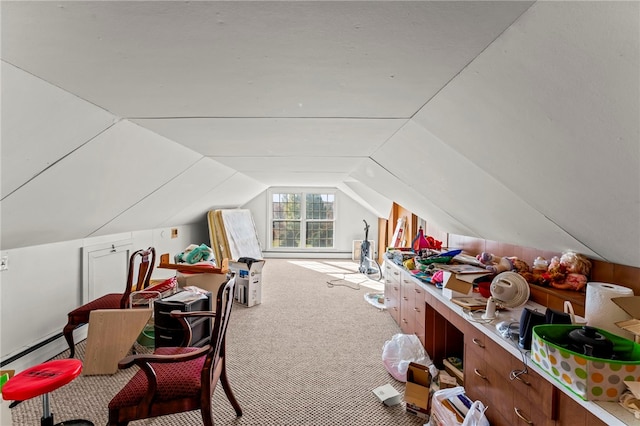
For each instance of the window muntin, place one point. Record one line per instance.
(292, 219)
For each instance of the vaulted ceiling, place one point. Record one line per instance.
(515, 121)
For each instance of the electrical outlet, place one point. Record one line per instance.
(4, 263)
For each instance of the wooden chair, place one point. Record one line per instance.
(141, 264)
(177, 379)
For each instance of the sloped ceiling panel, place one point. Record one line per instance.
(468, 193)
(91, 186)
(390, 186)
(252, 59)
(277, 137)
(554, 125)
(368, 197)
(316, 152)
(169, 199)
(40, 125)
(233, 192)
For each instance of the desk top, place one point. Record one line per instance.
(609, 412)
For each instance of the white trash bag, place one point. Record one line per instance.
(445, 417)
(401, 350)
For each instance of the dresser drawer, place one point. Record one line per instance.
(475, 341)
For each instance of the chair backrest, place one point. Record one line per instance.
(224, 303)
(141, 264)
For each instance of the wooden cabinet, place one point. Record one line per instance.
(570, 413)
(514, 393)
(502, 379)
(404, 298)
(407, 305)
(419, 312)
(392, 290)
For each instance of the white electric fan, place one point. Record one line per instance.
(509, 290)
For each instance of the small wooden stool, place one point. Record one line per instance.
(40, 380)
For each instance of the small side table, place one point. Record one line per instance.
(42, 379)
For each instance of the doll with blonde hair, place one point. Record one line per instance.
(569, 272)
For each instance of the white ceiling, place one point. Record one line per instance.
(514, 121)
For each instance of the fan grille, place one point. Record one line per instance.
(510, 289)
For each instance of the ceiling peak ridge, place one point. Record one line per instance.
(462, 69)
(215, 117)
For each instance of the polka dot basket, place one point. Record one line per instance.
(594, 379)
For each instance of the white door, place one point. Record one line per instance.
(105, 268)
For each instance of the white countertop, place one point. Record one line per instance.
(609, 412)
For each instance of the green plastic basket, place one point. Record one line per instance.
(148, 337)
(590, 378)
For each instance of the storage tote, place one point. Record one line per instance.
(590, 378)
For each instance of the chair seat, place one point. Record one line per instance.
(40, 379)
(108, 301)
(168, 388)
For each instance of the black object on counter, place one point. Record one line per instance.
(587, 341)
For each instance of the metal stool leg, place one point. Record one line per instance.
(47, 416)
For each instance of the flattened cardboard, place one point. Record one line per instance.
(388, 395)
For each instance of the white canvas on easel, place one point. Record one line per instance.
(241, 234)
(233, 234)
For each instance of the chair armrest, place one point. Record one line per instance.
(141, 359)
(186, 327)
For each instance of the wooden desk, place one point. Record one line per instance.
(489, 360)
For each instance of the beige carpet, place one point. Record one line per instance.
(309, 354)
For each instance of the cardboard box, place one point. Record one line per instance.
(446, 380)
(206, 281)
(456, 285)
(417, 393)
(388, 395)
(592, 379)
(248, 282)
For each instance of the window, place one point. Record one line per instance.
(302, 220)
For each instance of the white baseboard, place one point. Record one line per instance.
(305, 255)
(46, 352)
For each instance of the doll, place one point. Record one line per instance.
(498, 264)
(569, 272)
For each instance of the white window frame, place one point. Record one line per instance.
(303, 220)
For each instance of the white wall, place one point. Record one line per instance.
(349, 226)
(44, 283)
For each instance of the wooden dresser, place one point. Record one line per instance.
(495, 370)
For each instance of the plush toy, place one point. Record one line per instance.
(569, 272)
(498, 264)
(194, 254)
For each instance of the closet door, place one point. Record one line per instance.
(105, 269)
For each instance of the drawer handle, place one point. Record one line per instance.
(417, 290)
(479, 374)
(416, 309)
(405, 298)
(396, 273)
(404, 321)
(478, 342)
(519, 414)
(516, 375)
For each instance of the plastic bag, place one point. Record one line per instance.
(442, 416)
(401, 350)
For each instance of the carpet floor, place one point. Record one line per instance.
(309, 354)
